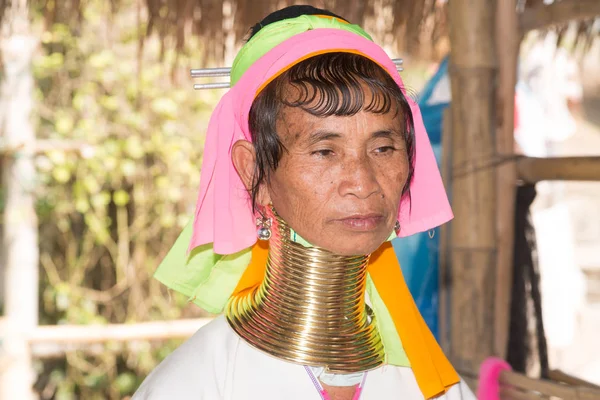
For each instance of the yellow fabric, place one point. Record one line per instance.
(433, 371)
(255, 272)
(306, 57)
(331, 17)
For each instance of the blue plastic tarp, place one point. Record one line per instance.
(419, 254)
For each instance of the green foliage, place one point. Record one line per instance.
(110, 210)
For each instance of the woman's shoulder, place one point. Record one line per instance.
(197, 366)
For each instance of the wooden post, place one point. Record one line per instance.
(444, 273)
(473, 248)
(20, 237)
(508, 41)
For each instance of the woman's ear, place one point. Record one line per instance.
(243, 157)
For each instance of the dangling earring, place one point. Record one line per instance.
(264, 227)
(397, 226)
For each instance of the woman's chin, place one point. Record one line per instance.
(358, 245)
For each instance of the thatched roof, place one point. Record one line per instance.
(410, 27)
(414, 27)
(388, 20)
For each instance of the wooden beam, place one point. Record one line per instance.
(508, 40)
(159, 330)
(558, 13)
(546, 388)
(57, 340)
(48, 145)
(560, 376)
(472, 251)
(533, 170)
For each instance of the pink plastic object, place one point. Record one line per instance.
(489, 378)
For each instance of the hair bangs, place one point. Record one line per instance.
(341, 84)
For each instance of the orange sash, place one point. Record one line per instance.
(433, 371)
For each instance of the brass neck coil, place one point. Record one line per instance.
(310, 309)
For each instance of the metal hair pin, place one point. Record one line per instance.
(226, 71)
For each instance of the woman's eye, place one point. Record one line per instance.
(385, 149)
(322, 153)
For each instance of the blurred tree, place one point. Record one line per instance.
(20, 234)
(110, 210)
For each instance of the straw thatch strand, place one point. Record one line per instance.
(412, 27)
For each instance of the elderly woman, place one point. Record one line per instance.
(315, 159)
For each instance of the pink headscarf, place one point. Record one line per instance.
(223, 210)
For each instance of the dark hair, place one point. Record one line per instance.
(328, 84)
(290, 12)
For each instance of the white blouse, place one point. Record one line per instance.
(215, 364)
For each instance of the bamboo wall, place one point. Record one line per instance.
(483, 171)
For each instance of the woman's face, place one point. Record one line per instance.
(340, 182)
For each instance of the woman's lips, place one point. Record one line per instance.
(362, 223)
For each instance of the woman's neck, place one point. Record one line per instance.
(310, 309)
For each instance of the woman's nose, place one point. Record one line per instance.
(359, 179)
